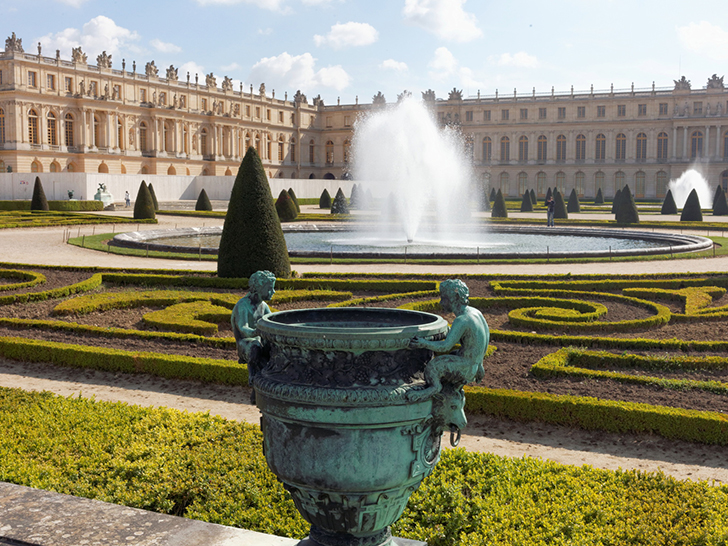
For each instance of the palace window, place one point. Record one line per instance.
(561, 182)
(280, 149)
(311, 152)
(247, 110)
(1, 82)
(292, 150)
(69, 85)
(541, 184)
(120, 134)
(143, 95)
(580, 148)
(601, 111)
(562, 112)
(505, 151)
(51, 82)
(268, 151)
(698, 108)
(600, 151)
(505, 114)
(2, 126)
(639, 184)
(68, 133)
(486, 115)
(725, 144)
(620, 153)
(524, 113)
(347, 150)
(523, 149)
(267, 114)
(488, 148)
(542, 113)
(541, 149)
(641, 109)
(560, 148)
(280, 117)
(522, 183)
(599, 183)
(696, 144)
(329, 152)
(52, 132)
(347, 120)
(329, 122)
(32, 82)
(662, 181)
(505, 184)
(257, 111)
(621, 110)
(663, 108)
(469, 115)
(33, 127)
(257, 146)
(204, 105)
(579, 183)
(143, 136)
(641, 150)
(581, 111)
(619, 180)
(662, 147)
(724, 181)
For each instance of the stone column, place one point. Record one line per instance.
(685, 143)
(706, 144)
(718, 129)
(674, 144)
(175, 142)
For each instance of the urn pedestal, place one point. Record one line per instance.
(342, 429)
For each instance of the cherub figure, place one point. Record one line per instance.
(249, 309)
(469, 329)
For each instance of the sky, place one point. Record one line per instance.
(344, 49)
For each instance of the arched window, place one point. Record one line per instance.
(560, 149)
(696, 144)
(119, 134)
(522, 183)
(123, 169)
(311, 152)
(469, 148)
(167, 137)
(228, 172)
(504, 184)
(33, 127)
(599, 183)
(203, 142)
(55, 167)
(292, 150)
(579, 183)
(505, 151)
(36, 167)
(724, 180)
(523, 151)
(68, 133)
(580, 148)
(143, 137)
(329, 152)
(662, 181)
(71, 168)
(2, 127)
(662, 147)
(641, 150)
(639, 184)
(486, 183)
(171, 170)
(541, 184)
(488, 149)
(52, 129)
(561, 183)
(97, 132)
(600, 152)
(103, 168)
(347, 150)
(542, 149)
(280, 148)
(2, 166)
(618, 181)
(145, 170)
(620, 153)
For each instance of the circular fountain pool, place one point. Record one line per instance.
(498, 242)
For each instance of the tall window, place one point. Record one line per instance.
(488, 148)
(581, 111)
(486, 115)
(203, 142)
(524, 113)
(504, 184)
(562, 112)
(621, 110)
(347, 150)
(143, 136)
(311, 152)
(561, 183)
(620, 153)
(580, 148)
(619, 180)
(560, 148)
(639, 184)
(257, 146)
(542, 113)
(523, 150)
(641, 150)
(52, 129)
(280, 148)
(522, 183)
(97, 132)
(542, 149)
(641, 109)
(32, 79)
(33, 127)
(541, 184)
(600, 151)
(579, 183)
(505, 114)
(2, 126)
(69, 130)
(51, 82)
(601, 111)
(292, 150)
(505, 151)
(120, 135)
(662, 181)
(599, 183)
(663, 108)
(329, 152)
(696, 144)
(662, 147)
(724, 180)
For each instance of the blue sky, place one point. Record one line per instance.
(350, 48)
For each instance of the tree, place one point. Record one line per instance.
(325, 200)
(626, 212)
(573, 205)
(286, 207)
(691, 211)
(526, 205)
(668, 205)
(560, 211)
(616, 200)
(154, 197)
(355, 199)
(720, 206)
(339, 206)
(499, 206)
(599, 199)
(292, 195)
(252, 238)
(144, 205)
(549, 194)
(492, 195)
(38, 201)
(203, 202)
(533, 197)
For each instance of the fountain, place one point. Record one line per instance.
(687, 181)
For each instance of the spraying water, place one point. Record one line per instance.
(416, 169)
(689, 180)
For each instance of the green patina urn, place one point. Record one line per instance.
(348, 425)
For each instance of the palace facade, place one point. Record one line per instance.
(61, 115)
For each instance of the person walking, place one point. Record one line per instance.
(127, 199)
(550, 208)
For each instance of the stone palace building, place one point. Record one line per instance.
(61, 115)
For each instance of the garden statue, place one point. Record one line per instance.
(103, 195)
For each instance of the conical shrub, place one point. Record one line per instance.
(38, 201)
(617, 196)
(691, 211)
(720, 206)
(154, 197)
(626, 208)
(492, 195)
(573, 205)
(285, 207)
(355, 199)
(599, 199)
(143, 205)
(526, 205)
(718, 191)
(203, 202)
(668, 205)
(339, 206)
(560, 211)
(252, 239)
(549, 195)
(499, 206)
(292, 195)
(533, 197)
(325, 200)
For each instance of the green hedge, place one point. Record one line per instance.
(28, 278)
(55, 205)
(84, 286)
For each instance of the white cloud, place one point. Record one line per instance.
(193, 68)
(705, 38)
(391, 64)
(231, 67)
(446, 19)
(291, 72)
(521, 59)
(272, 5)
(265, 31)
(99, 34)
(165, 47)
(446, 68)
(347, 35)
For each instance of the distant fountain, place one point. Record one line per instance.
(414, 168)
(689, 180)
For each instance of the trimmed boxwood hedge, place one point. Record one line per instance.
(27, 278)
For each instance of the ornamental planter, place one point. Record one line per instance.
(346, 425)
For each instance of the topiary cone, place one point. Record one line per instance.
(499, 206)
(203, 202)
(325, 200)
(573, 205)
(154, 197)
(626, 212)
(668, 205)
(143, 205)
(38, 201)
(691, 211)
(492, 195)
(533, 197)
(286, 207)
(526, 205)
(292, 195)
(720, 206)
(339, 206)
(252, 238)
(599, 199)
(616, 200)
(549, 195)
(560, 211)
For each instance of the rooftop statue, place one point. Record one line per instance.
(14, 43)
(379, 98)
(682, 84)
(300, 97)
(714, 82)
(455, 94)
(103, 60)
(210, 81)
(78, 56)
(404, 95)
(227, 84)
(172, 73)
(151, 69)
(428, 95)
